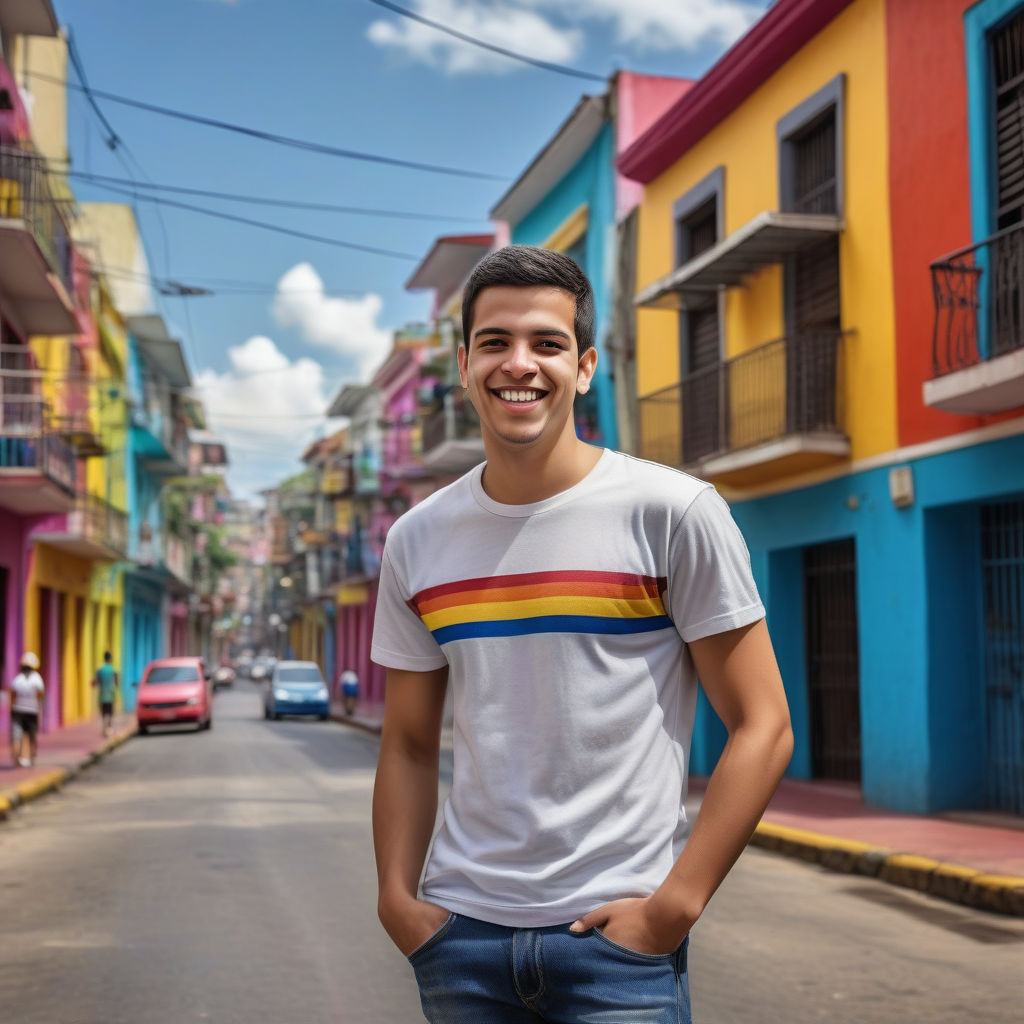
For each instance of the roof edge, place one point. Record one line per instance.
(782, 31)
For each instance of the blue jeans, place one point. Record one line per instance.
(470, 972)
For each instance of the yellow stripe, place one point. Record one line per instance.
(607, 607)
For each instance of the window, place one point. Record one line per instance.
(814, 167)
(1007, 48)
(698, 227)
(811, 153)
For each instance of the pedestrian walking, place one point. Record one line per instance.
(107, 682)
(349, 685)
(27, 690)
(586, 594)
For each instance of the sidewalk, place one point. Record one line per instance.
(979, 862)
(62, 754)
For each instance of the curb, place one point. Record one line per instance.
(32, 789)
(1003, 894)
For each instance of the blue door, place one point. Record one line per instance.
(1002, 552)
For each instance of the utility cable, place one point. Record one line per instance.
(291, 204)
(560, 69)
(283, 140)
(266, 226)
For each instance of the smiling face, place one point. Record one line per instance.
(521, 367)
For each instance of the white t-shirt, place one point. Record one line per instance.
(564, 624)
(27, 686)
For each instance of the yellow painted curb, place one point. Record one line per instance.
(957, 871)
(999, 881)
(911, 862)
(785, 834)
(35, 787)
(5, 807)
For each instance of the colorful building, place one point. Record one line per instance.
(157, 451)
(805, 343)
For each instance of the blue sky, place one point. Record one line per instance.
(350, 74)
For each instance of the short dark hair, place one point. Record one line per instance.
(107, 656)
(529, 266)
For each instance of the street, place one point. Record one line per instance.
(228, 877)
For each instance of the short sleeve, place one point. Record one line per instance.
(400, 639)
(711, 587)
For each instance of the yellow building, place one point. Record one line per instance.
(74, 589)
(764, 258)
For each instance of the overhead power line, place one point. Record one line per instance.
(282, 140)
(291, 204)
(560, 69)
(265, 225)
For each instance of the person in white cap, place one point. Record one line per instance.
(27, 690)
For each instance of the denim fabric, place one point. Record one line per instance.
(471, 972)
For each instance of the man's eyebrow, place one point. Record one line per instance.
(541, 332)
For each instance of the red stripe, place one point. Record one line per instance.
(653, 584)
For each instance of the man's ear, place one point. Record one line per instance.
(462, 357)
(585, 370)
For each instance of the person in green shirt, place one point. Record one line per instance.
(107, 681)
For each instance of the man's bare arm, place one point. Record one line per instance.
(405, 802)
(740, 676)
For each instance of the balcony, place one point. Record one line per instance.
(771, 412)
(94, 530)
(978, 337)
(178, 558)
(37, 469)
(35, 246)
(158, 435)
(77, 419)
(451, 436)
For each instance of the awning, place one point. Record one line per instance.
(769, 238)
(349, 399)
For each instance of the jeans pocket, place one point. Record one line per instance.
(626, 951)
(433, 939)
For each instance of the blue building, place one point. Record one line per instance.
(158, 575)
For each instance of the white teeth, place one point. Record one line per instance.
(520, 396)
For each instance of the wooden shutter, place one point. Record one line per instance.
(1008, 65)
(816, 288)
(814, 167)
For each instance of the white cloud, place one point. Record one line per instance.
(512, 28)
(656, 25)
(642, 25)
(347, 327)
(266, 408)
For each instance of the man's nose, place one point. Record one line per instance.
(519, 361)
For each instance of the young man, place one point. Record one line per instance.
(570, 596)
(107, 681)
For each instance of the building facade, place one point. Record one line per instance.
(839, 360)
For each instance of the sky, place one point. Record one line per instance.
(290, 319)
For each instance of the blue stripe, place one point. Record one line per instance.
(550, 624)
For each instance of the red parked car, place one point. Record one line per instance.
(174, 691)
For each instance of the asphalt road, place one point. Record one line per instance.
(228, 877)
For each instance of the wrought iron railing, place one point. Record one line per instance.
(27, 438)
(790, 386)
(98, 521)
(979, 302)
(456, 420)
(25, 195)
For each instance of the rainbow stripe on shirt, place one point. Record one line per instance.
(569, 601)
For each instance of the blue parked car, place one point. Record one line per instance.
(296, 688)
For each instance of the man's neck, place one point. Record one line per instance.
(524, 477)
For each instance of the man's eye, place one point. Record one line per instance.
(548, 343)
